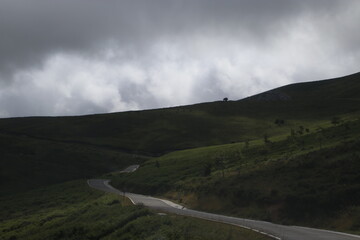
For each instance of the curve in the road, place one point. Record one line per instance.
(276, 231)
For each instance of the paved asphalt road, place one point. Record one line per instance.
(131, 168)
(274, 230)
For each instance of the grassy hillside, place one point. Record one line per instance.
(308, 178)
(155, 132)
(74, 211)
(289, 155)
(28, 163)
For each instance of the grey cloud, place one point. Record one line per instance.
(44, 105)
(209, 88)
(219, 48)
(31, 30)
(138, 94)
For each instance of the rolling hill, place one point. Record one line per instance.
(155, 132)
(302, 169)
(43, 150)
(294, 147)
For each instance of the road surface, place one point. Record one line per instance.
(275, 231)
(130, 169)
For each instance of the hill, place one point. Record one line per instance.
(289, 155)
(308, 178)
(28, 163)
(155, 132)
(38, 151)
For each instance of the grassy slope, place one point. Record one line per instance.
(295, 180)
(74, 211)
(28, 163)
(36, 151)
(163, 130)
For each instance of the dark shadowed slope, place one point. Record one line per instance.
(155, 132)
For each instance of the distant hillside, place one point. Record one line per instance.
(154, 132)
(27, 163)
(338, 88)
(310, 178)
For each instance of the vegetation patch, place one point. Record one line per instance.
(75, 211)
(307, 178)
(28, 163)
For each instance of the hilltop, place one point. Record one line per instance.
(158, 131)
(53, 149)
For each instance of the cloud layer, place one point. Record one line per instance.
(73, 57)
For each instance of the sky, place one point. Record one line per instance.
(75, 57)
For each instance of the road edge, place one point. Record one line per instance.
(174, 205)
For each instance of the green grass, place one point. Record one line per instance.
(294, 180)
(28, 163)
(74, 211)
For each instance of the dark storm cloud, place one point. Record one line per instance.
(31, 30)
(133, 54)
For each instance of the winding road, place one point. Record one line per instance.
(275, 231)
